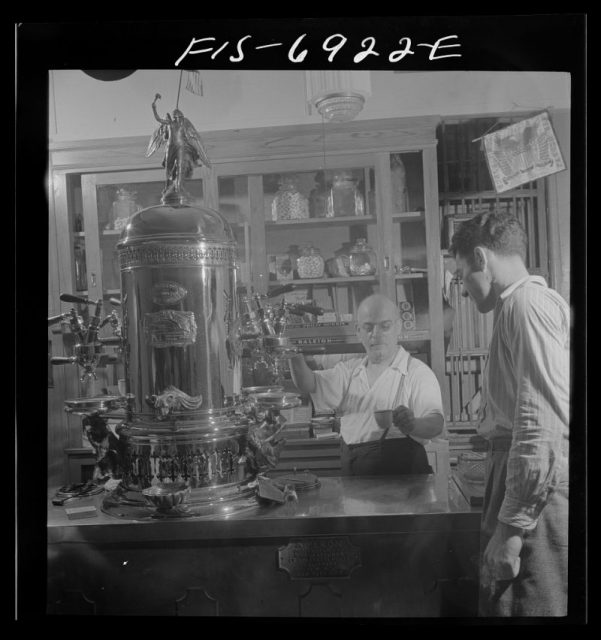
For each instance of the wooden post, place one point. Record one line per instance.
(384, 224)
(433, 252)
(258, 258)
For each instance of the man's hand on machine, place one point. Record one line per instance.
(403, 419)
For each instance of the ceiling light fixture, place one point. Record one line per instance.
(337, 95)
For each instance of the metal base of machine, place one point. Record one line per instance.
(218, 501)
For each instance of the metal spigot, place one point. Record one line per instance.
(87, 351)
(92, 334)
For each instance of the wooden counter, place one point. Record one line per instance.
(386, 546)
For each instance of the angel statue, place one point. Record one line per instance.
(184, 150)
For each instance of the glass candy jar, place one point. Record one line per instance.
(318, 198)
(289, 203)
(123, 207)
(362, 259)
(310, 264)
(344, 198)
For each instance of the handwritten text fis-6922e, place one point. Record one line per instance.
(297, 52)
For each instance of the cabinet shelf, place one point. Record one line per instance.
(341, 220)
(350, 280)
(408, 216)
(410, 276)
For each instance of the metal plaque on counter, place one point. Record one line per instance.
(328, 557)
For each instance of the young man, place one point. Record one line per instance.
(386, 378)
(524, 415)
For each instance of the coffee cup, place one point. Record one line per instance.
(383, 418)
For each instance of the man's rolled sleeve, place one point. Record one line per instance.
(329, 387)
(523, 515)
(425, 398)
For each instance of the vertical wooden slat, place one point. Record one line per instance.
(59, 252)
(67, 375)
(64, 244)
(541, 220)
(92, 236)
(432, 222)
(480, 162)
(531, 231)
(443, 164)
(246, 280)
(258, 261)
(384, 223)
(210, 189)
(455, 415)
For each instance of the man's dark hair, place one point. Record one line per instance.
(499, 232)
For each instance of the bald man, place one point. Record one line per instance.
(386, 378)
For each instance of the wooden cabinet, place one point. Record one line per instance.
(391, 162)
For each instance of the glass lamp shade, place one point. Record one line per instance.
(340, 108)
(336, 94)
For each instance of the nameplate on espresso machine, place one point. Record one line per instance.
(170, 328)
(328, 557)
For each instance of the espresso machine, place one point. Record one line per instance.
(191, 439)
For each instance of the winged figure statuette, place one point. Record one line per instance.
(184, 150)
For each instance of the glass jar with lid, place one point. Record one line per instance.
(344, 198)
(289, 203)
(362, 259)
(318, 198)
(123, 207)
(310, 264)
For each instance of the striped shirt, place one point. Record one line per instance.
(525, 395)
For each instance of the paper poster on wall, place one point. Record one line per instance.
(522, 152)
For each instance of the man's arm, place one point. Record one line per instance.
(302, 376)
(425, 402)
(427, 427)
(536, 334)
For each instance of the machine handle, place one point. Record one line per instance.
(55, 319)
(299, 309)
(69, 297)
(63, 360)
(111, 341)
(115, 301)
(278, 291)
(310, 350)
(94, 324)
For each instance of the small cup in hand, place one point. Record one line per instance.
(403, 418)
(383, 418)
